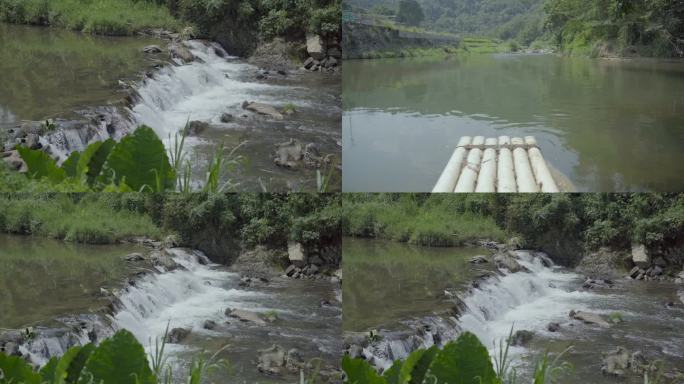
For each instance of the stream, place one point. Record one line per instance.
(145, 299)
(531, 300)
(96, 87)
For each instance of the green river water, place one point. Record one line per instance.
(609, 125)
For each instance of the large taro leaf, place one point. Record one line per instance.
(66, 369)
(41, 165)
(119, 359)
(70, 165)
(464, 361)
(93, 159)
(416, 365)
(141, 159)
(391, 375)
(16, 370)
(360, 372)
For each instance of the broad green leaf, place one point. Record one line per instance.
(141, 158)
(93, 159)
(78, 362)
(120, 359)
(360, 372)
(70, 165)
(17, 370)
(40, 165)
(464, 361)
(55, 372)
(391, 375)
(414, 369)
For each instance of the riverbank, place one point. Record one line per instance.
(549, 307)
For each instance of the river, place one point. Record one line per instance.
(491, 306)
(68, 306)
(608, 125)
(82, 80)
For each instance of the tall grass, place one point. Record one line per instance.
(61, 217)
(427, 225)
(106, 17)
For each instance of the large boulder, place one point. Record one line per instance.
(506, 261)
(589, 318)
(315, 47)
(275, 360)
(295, 253)
(177, 335)
(262, 109)
(245, 316)
(521, 338)
(640, 256)
(178, 51)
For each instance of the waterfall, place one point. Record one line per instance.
(527, 300)
(186, 297)
(200, 90)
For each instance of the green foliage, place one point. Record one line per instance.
(108, 17)
(119, 359)
(138, 161)
(464, 360)
(410, 12)
(617, 27)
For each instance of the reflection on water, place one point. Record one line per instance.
(43, 278)
(609, 125)
(46, 72)
(387, 282)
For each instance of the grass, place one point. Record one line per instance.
(85, 220)
(106, 17)
(406, 222)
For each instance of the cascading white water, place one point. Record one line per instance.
(522, 300)
(526, 300)
(185, 298)
(200, 90)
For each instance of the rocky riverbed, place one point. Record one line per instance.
(268, 326)
(282, 117)
(614, 328)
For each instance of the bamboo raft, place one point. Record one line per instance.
(503, 164)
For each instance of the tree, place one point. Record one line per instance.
(410, 12)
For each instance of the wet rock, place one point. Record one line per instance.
(615, 362)
(638, 363)
(308, 63)
(545, 259)
(227, 118)
(291, 270)
(354, 351)
(294, 361)
(161, 258)
(506, 261)
(134, 257)
(295, 253)
(170, 241)
(177, 335)
(152, 49)
(33, 141)
(262, 109)
(178, 51)
(479, 259)
(656, 271)
(635, 272)
(660, 262)
(521, 338)
(196, 127)
(245, 316)
(271, 360)
(10, 349)
(640, 256)
(597, 283)
(589, 318)
(270, 317)
(331, 62)
(209, 324)
(553, 327)
(316, 260)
